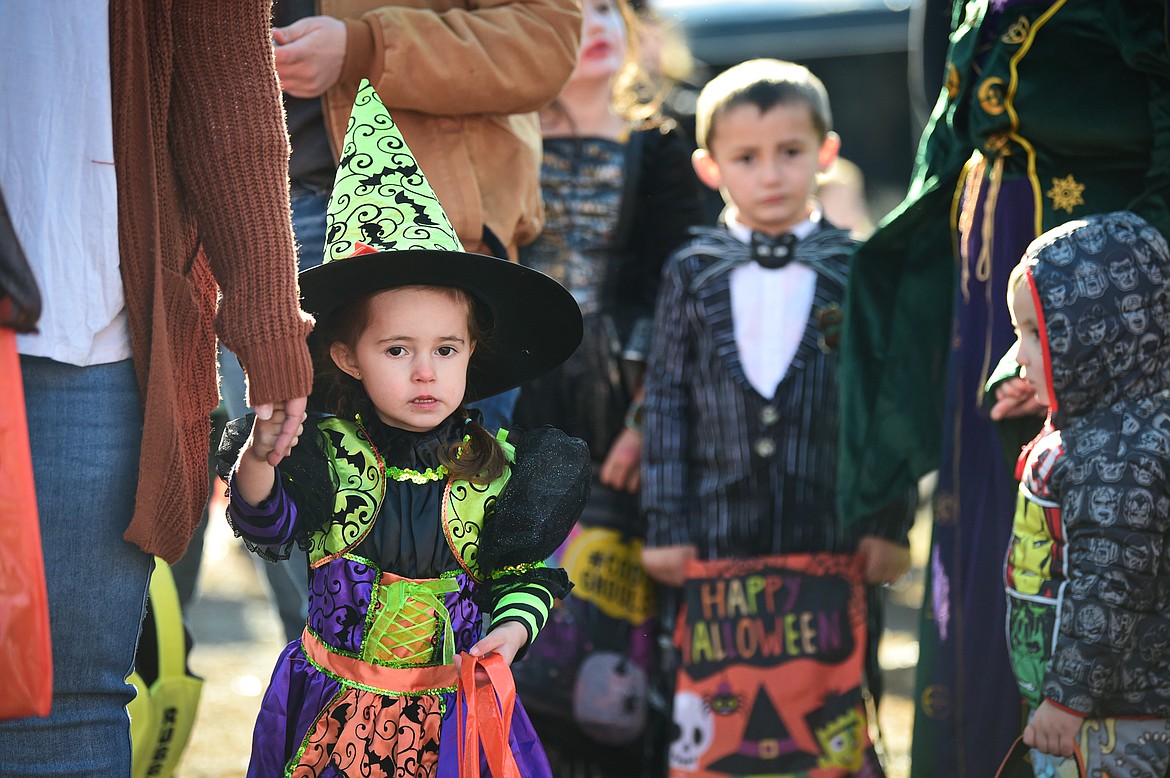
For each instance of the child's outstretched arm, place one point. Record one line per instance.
(666, 495)
(275, 431)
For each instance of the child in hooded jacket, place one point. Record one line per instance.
(1087, 573)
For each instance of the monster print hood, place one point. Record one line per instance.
(1104, 311)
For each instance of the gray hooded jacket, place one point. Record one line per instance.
(1099, 473)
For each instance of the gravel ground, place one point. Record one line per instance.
(238, 639)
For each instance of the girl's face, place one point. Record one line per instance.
(412, 357)
(603, 41)
(1030, 352)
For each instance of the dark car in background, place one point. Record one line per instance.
(862, 50)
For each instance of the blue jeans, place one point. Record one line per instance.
(308, 217)
(85, 429)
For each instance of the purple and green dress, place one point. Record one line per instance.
(405, 563)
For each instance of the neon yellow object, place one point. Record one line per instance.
(407, 614)
(381, 200)
(163, 714)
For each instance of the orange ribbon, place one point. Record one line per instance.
(485, 716)
(387, 680)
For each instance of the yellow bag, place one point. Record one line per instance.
(163, 714)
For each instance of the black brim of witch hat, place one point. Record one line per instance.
(535, 324)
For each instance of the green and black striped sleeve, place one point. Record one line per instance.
(521, 597)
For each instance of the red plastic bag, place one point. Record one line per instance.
(485, 711)
(25, 652)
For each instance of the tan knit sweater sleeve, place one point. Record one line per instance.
(231, 151)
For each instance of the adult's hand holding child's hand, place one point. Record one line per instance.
(277, 428)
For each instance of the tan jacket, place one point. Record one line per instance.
(463, 80)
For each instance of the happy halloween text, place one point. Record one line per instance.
(765, 619)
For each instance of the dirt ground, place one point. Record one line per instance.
(238, 639)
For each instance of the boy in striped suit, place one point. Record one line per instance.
(740, 414)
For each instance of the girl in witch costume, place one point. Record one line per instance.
(418, 523)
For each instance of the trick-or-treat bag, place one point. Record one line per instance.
(590, 666)
(771, 651)
(485, 717)
(25, 652)
(162, 713)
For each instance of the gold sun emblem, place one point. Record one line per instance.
(1066, 193)
(991, 94)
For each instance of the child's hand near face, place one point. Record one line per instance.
(275, 430)
(1014, 398)
(885, 561)
(505, 640)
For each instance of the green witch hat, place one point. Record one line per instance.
(385, 228)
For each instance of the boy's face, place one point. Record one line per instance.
(766, 163)
(1029, 349)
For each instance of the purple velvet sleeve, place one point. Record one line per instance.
(271, 523)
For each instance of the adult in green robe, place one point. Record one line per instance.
(1050, 110)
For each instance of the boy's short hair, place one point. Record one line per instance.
(763, 83)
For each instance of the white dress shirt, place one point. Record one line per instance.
(770, 310)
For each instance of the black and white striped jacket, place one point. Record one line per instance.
(733, 472)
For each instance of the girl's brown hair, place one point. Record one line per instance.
(480, 459)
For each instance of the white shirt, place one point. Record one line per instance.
(770, 309)
(57, 175)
